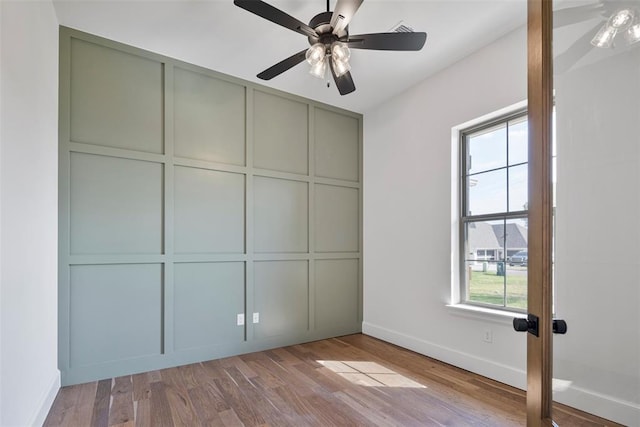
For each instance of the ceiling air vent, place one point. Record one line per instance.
(401, 27)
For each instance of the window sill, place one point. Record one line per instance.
(484, 313)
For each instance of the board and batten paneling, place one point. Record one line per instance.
(190, 200)
(208, 211)
(280, 133)
(205, 130)
(104, 81)
(116, 205)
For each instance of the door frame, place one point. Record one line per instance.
(540, 239)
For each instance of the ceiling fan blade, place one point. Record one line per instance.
(343, 13)
(388, 41)
(567, 59)
(275, 15)
(283, 66)
(573, 15)
(344, 83)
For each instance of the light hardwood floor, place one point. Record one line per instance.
(347, 381)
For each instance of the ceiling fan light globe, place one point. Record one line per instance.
(621, 20)
(604, 37)
(340, 51)
(315, 54)
(632, 35)
(318, 69)
(340, 67)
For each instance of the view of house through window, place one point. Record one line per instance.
(494, 213)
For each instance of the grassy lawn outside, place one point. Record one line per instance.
(488, 288)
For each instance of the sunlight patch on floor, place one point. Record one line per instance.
(369, 374)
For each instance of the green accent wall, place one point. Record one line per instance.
(188, 197)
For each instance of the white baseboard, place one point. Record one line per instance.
(487, 368)
(46, 401)
(608, 407)
(611, 408)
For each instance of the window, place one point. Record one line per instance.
(493, 218)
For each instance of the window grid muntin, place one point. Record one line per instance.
(497, 169)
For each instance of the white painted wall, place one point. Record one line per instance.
(409, 256)
(28, 211)
(410, 239)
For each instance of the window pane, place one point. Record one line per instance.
(517, 262)
(484, 285)
(487, 150)
(516, 287)
(515, 236)
(487, 192)
(518, 193)
(485, 261)
(518, 137)
(484, 241)
(491, 279)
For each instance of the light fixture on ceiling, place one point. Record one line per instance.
(632, 35)
(316, 57)
(340, 55)
(319, 54)
(604, 37)
(622, 21)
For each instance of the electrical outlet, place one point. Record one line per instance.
(240, 319)
(487, 336)
(256, 317)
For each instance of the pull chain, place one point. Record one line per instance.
(327, 72)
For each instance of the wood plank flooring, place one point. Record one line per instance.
(354, 380)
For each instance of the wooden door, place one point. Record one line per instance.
(540, 94)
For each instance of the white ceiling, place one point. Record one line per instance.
(218, 35)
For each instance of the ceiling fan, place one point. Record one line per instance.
(328, 35)
(619, 23)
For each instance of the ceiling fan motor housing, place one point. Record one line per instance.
(321, 23)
